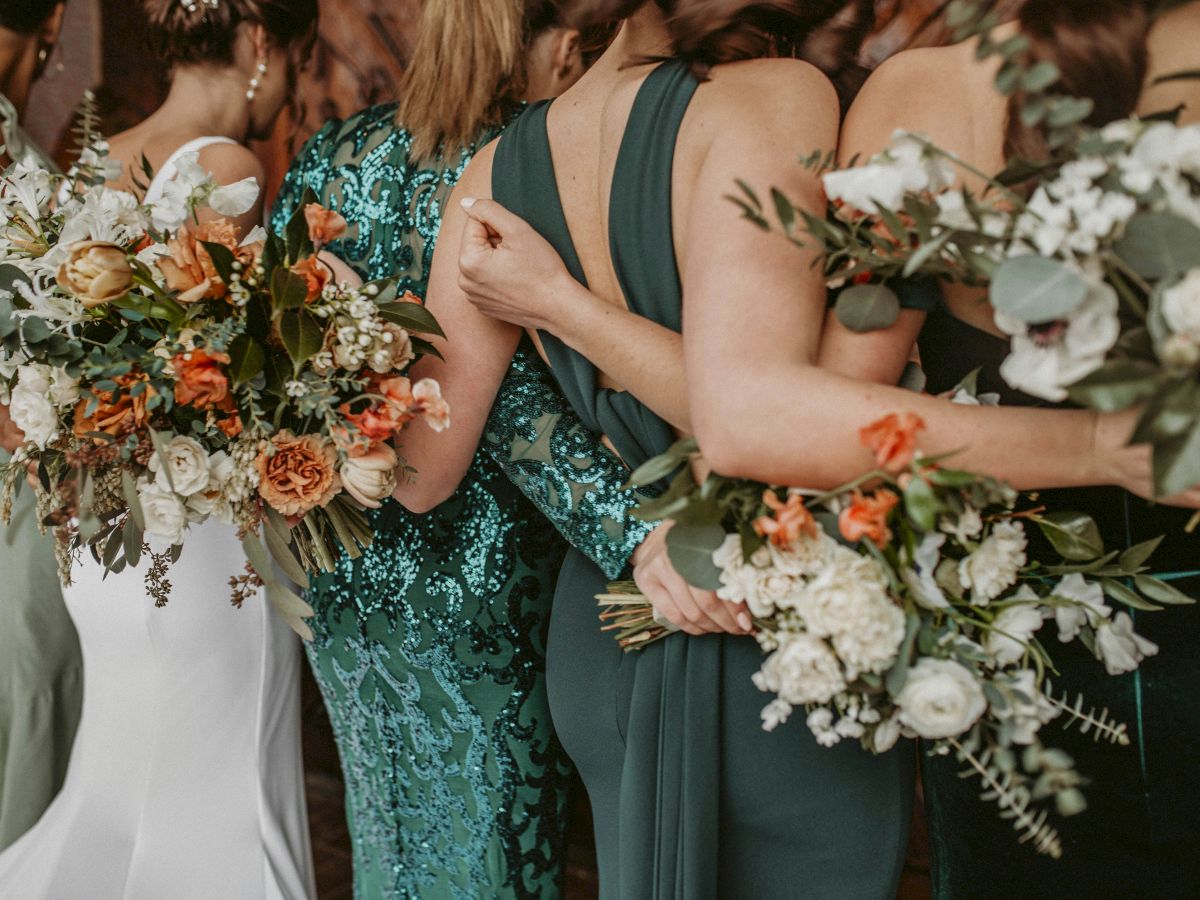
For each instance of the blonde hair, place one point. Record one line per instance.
(466, 71)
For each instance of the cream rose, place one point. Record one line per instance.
(165, 515)
(30, 406)
(940, 699)
(96, 272)
(371, 476)
(182, 466)
(1181, 306)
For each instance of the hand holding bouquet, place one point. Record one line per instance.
(905, 603)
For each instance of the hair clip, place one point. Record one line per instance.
(193, 5)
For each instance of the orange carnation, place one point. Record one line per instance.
(200, 380)
(299, 475)
(791, 520)
(189, 269)
(324, 225)
(893, 439)
(867, 517)
(315, 274)
(117, 413)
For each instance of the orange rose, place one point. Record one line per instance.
(117, 413)
(300, 475)
(893, 440)
(315, 274)
(200, 381)
(867, 517)
(791, 520)
(189, 269)
(323, 225)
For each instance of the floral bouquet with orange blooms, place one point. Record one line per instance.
(164, 369)
(905, 604)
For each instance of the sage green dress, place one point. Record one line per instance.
(430, 648)
(41, 680)
(691, 798)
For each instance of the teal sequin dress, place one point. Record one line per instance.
(430, 648)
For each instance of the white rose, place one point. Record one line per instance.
(186, 465)
(803, 670)
(371, 477)
(1181, 306)
(1088, 608)
(940, 699)
(1026, 716)
(165, 514)
(1119, 647)
(31, 407)
(1014, 628)
(994, 566)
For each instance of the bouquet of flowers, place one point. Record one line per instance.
(1091, 255)
(166, 371)
(905, 603)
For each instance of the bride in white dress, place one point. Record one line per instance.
(185, 780)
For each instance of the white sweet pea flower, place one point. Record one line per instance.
(256, 235)
(1181, 306)
(164, 512)
(1047, 358)
(994, 566)
(235, 199)
(940, 699)
(1119, 647)
(1014, 628)
(906, 166)
(920, 576)
(1090, 609)
(966, 527)
(187, 464)
(886, 734)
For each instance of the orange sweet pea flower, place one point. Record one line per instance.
(791, 520)
(893, 439)
(315, 274)
(324, 225)
(866, 517)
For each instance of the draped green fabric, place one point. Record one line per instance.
(691, 798)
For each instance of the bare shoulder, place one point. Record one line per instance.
(476, 179)
(231, 162)
(785, 89)
(1172, 44)
(944, 93)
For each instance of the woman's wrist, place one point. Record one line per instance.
(571, 313)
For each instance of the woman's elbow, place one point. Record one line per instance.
(420, 495)
(726, 441)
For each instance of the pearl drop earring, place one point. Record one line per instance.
(256, 81)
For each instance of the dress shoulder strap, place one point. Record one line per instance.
(169, 169)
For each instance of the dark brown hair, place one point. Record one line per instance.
(208, 34)
(1099, 48)
(707, 33)
(26, 16)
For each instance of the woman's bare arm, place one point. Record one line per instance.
(478, 351)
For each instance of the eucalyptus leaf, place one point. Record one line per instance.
(783, 209)
(1039, 77)
(1160, 245)
(129, 489)
(1075, 535)
(691, 551)
(1037, 290)
(1157, 589)
(1117, 386)
(293, 609)
(868, 307)
(1123, 594)
(132, 540)
(258, 557)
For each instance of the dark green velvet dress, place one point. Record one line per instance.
(691, 798)
(1139, 838)
(429, 649)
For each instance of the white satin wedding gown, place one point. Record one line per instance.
(185, 780)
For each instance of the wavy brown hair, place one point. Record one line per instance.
(180, 36)
(1100, 50)
(26, 16)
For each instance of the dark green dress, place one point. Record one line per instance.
(1138, 838)
(691, 798)
(429, 649)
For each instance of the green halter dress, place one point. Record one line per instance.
(691, 798)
